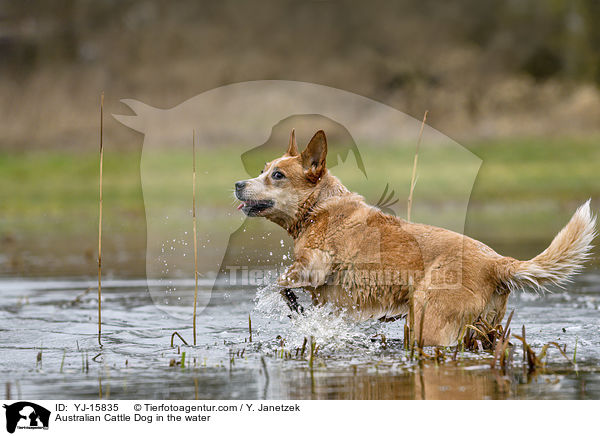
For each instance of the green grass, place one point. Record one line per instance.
(538, 169)
(55, 183)
(524, 192)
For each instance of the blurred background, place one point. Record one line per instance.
(515, 82)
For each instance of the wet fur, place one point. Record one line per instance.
(364, 261)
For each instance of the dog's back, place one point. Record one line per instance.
(375, 259)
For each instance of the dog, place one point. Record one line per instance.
(374, 265)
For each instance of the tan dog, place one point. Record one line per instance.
(364, 261)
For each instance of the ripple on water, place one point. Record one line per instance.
(58, 320)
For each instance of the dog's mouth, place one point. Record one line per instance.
(255, 207)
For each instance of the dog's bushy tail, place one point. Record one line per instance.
(557, 264)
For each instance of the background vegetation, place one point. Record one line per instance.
(516, 82)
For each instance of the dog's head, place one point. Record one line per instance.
(285, 183)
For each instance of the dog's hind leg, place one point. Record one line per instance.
(291, 300)
(444, 313)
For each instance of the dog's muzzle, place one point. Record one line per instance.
(239, 188)
(250, 207)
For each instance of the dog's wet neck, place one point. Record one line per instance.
(303, 217)
(328, 187)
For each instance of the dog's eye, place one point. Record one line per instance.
(277, 175)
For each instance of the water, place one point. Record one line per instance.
(49, 324)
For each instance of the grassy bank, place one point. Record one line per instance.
(524, 191)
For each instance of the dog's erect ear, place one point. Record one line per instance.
(292, 147)
(314, 156)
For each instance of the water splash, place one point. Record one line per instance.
(332, 329)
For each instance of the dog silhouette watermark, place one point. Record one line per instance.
(229, 122)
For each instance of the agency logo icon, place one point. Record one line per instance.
(26, 415)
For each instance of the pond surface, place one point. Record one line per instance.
(49, 348)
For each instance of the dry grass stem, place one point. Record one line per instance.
(194, 223)
(100, 225)
(413, 180)
(179, 336)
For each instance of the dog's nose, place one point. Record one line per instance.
(240, 185)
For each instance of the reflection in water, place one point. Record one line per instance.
(430, 383)
(419, 383)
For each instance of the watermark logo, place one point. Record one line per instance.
(24, 415)
(236, 129)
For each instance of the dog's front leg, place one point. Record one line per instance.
(291, 278)
(292, 301)
(310, 269)
(294, 277)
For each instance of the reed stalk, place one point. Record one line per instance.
(195, 238)
(411, 318)
(413, 180)
(179, 336)
(421, 324)
(100, 225)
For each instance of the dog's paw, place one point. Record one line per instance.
(290, 279)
